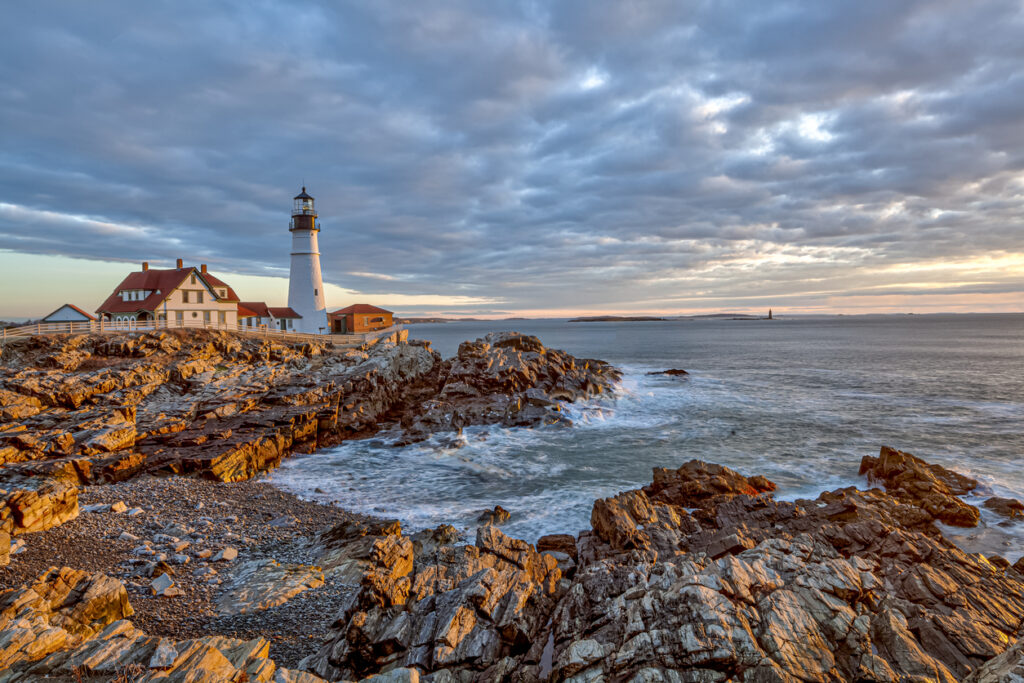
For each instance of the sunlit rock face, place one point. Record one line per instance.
(701, 575)
(227, 407)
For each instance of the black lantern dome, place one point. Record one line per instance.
(303, 205)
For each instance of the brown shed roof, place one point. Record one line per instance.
(360, 308)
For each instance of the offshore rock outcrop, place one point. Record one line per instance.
(509, 379)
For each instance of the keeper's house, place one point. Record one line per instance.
(181, 296)
(359, 318)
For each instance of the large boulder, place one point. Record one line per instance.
(932, 488)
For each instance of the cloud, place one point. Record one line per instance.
(534, 156)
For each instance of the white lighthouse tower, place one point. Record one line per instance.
(305, 286)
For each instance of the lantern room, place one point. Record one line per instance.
(303, 205)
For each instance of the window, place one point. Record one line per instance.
(199, 297)
(184, 296)
(179, 315)
(206, 315)
(194, 314)
(222, 317)
(193, 278)
(316, 292)
(223, 293)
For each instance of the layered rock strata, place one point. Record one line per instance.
(104, 408)
(700, 576)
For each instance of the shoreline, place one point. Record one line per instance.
(234, 580)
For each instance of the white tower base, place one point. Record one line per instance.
(306, 286)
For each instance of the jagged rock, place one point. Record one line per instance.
(672, 372)
(932, 488)
(70, 624)
(5, 548)
(225, 555)
(1007, 667)
(850, 586)
(29, 504)
(163, 585)
(240, 403)
(498, 515)
(461, 608)
(61, 609)
(511, 379)
(228, 407)
(261, 584)
(164, 655)
(564, 543)
(1007, 507)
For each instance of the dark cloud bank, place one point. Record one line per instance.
(652, 155)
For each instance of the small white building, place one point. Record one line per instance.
(69, 313)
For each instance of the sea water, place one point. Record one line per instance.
(799, 400)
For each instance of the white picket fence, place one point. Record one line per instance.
(121, 326)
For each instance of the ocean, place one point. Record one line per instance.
(799, 400)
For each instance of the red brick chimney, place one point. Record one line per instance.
(202, 269)
(181, 264)
(145, 266)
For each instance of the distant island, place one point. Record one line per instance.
(416, 321)
(616, 319)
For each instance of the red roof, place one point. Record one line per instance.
(216, 282)
(73, 307)
(253, 308)
(359, 308)
(283, 312)
(161, 283)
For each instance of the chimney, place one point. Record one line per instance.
(202, 269)
(145, 266)
(181, 264)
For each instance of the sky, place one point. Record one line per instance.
(521, 158)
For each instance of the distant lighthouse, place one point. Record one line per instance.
(305, 285)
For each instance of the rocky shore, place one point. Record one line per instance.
(121, 570)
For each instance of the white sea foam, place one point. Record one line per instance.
(800, 415)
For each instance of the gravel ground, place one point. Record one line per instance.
(252, 517)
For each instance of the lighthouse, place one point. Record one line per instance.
(305, 285)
